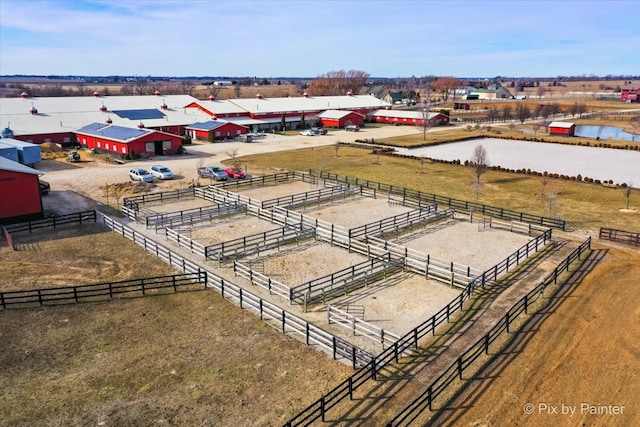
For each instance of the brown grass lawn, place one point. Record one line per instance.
(584, 206)
(190, 358)
(584, 351)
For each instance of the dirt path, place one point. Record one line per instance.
(575, 363)
(379, 401)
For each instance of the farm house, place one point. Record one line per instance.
(403, 117)
(214, 129)
(19, 192)
(128, 142)
(562, 128)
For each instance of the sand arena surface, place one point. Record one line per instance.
(397, 303)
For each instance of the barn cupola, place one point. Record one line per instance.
(140, 125)
(103, 108)
(6, 133)
(24, 95)
(95, 94)
(156, 93)
(214, 118)
(164, 106)
(349, 93)
(109, 121)
(212, 98)
(33, 109)
(306, 95)
(258, 96)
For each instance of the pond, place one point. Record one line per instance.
(621, 166)
(605, 132)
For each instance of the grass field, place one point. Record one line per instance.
(190, 358)
(585, 206)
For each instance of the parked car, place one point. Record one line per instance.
(45, 187)
(213, 172)
(308, 132)
(319, 131)
(352, 128)
(161, 172)
(234, 173)
(139, 174)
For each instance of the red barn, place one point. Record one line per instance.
(20, 198)
(630, 93)
(214, 129)
(405, 117)
(127, 142)
(562, 128)
(340, 118)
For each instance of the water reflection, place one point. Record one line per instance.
(605, 132)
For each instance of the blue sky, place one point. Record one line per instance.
(463, 38)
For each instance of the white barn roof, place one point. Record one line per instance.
(310, 103)
(65, 114)
(564, 125)
(10, 165)
(403, 114)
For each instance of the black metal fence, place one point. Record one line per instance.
(620, 236)
(457, 204)
(103, 291)
(465, 360)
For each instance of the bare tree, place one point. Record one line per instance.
(336, 147)
(187, 87)
(540, 91)
(118, 192)
(339, 83)
(551, 199)
(479, 163)
(522, 112)
(446, 86)
(425, 112)
(626, 190)
(423, 160)
(141, 86)
(233, 156)
(106, 190)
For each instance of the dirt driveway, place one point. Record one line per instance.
(89, 177)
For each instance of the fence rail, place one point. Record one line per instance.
(426, 265)
(101, 291)
(285, 321)
(407, 342)
(192, 216)
(465, 360)
(133, 203)
(256, 243)
(360, 327)
(403, 195)
(401, 222)
(344, 281)
(620, 236)
(314, 197)
(53, 222)
(262, 280)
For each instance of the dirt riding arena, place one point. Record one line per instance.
(396, 303)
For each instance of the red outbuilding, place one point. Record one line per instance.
(340, 118)
(128, 142)
(215, 130)
(630, 93)
(20, 198)
(562, 128)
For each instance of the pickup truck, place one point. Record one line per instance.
(213, 172)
